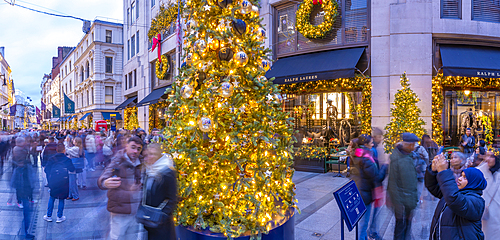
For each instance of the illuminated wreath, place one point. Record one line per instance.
(162, 67)
(304, 13)
(164, 20)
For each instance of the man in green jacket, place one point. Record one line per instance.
(402, 185)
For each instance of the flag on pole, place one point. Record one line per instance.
(56, 112)
(13, 110)
(37, 111)
(69, 105)
(43, 106)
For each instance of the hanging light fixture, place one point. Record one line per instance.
(467, 92)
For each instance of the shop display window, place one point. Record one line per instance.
(477, 110)
(325, 119)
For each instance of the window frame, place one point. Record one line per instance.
(106, 95)
(108, 64)
(137, 42)
(110, 37)
(459, 10)
(132, 46)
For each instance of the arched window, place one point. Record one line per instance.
(88, 70)
(82, 76)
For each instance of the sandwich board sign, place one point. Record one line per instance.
(351, 205)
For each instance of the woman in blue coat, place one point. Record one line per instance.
(460, 208)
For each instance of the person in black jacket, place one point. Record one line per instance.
(57, 174)
(160, 185)
(460, 208)
(368, 175)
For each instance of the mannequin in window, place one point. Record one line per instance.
(468, 142)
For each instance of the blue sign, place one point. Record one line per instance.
(350, 203)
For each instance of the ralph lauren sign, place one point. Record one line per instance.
(300, 79)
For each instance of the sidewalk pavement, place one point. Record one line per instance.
(88, 218)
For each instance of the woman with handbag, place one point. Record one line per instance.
(75, 153)
(491, 195)
(159, 195)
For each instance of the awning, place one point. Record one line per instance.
(126, 103)
(316, 66)
(153, 97)
(71, 118)
(107, 115)
(470, 61)
(85, 116)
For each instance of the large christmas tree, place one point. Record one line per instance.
(230, 139)
(405, 116)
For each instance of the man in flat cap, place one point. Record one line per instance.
(402, 185)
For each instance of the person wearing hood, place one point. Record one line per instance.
(460, 208)
(491, 195)
(402, 185)
(160, 185)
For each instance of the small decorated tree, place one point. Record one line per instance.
(405, 116)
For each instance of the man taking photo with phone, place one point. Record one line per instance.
(122, 179)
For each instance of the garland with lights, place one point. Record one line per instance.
(304, 26)
(154, 119)
(488, 130)
(130, 115)
(230, 139)
(358, 83)
(90, 123)
(74, 124)
(162, 67)
(405, 116)
(163, 21)
(440, 82)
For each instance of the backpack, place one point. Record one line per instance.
(58, 174)
(420, 164)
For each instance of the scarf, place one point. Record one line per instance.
(475, 179)
(165, 161)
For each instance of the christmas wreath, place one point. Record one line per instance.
(305, 27)
(162, 67)
(163, 21)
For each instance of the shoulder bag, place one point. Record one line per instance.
(151, 217)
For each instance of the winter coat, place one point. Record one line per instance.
(23, 180)
(124, 198)
(460, 210)
(158, 190)
(402, 182)
(366, 174)
(20, 156)
(90, 143)
(49, 151)
(491, 196)
(59, 184)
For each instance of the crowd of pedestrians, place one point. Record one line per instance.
(133, 170)
(466, 184)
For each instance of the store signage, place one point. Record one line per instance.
(488, 73)
(300, 79)
(350, 203)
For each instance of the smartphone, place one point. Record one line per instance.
(116, 172)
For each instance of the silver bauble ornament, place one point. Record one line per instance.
(186, 91)
(200, 45)
(278, 98)
(241, 58)
(266, 65)
(246, 6)
(261, 34)
(190, 26)
(255, 9)
(205, 124)
(226, 89)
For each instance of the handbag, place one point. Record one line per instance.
(151, 217)
(78, 162)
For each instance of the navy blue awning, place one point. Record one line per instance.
(470, 61)
(71, 117)
(153, 97)
(126, 103)
(85, 116)
(107, 115)
(316, 66)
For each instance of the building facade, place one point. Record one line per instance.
(141, 87)
(6, 92)
(91, 76)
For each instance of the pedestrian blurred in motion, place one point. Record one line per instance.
(430, 146)
(4, 148)
(458, 163)
(90, 150)
(368, 176)
(122, 179)
(23, 181)
(76, 154)
(402, 185)
(491, 195)
(160, 190)
(57, 171)
(421, 160)
(460, 208)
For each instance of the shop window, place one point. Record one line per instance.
(324, 116)
(109, 65)
(451, 9)
(108, 95)
(467, 109)
(486, 10)
(109, 35)
(354, 16)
